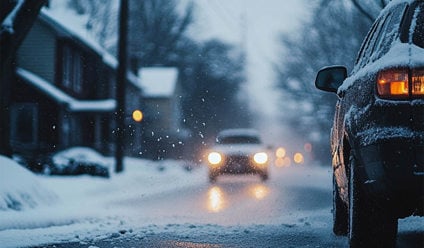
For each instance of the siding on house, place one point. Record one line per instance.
(63, 94)
(42, 60)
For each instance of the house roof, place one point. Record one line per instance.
(158, 81)
(66, 23)
(71, 104)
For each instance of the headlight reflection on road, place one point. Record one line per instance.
(282, 162)
(216, 199)
(259, 191)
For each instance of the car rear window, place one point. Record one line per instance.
(417, 26)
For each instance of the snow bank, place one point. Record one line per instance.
(20, 189)
(89, 207)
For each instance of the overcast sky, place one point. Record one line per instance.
(255, 25)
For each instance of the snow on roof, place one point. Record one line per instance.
(72, 104)
(158, 81)
(68, 23)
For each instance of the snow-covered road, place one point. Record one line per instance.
(160, 204)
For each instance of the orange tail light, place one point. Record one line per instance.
(394, 84)
(418, 83)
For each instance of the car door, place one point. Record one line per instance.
(347, 97)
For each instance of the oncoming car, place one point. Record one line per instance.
(238, 151)
(377, 139)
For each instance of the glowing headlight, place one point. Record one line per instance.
(214, 158)
(260, 157)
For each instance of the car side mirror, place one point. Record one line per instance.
(330, 78)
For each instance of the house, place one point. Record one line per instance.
(63, 95)
(162, 128)
(64, 92)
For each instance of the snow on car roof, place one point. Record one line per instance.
(80, 154)
(399, 55)
(239, 132)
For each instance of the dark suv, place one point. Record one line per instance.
(377, 139)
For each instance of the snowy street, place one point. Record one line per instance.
(161, 204)
(211, 123)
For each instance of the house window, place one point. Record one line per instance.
(66, 130)
(24, 123)
(72, 69)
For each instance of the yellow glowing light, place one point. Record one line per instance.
(283, 162)
(393, 83)
(399, 88)
(216, 199)
(259, 191)
(137, 115)
(260, 158)
(298, 158)
(280, 152)
(418, 84)
(214, 158)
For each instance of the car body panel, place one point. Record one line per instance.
(385, 135)
(78, 161)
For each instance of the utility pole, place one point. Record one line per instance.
(121, 85)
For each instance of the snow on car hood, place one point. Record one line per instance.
(79, 154)
(239, 149)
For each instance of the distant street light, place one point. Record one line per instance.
(137, 115)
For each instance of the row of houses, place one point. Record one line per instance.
(63, 95)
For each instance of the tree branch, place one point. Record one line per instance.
(363, 11)
(20, 20)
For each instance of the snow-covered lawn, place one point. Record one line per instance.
(46, 209)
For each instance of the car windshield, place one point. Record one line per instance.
(239, 140)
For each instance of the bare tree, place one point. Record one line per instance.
(212, 72)
(369, 9)
(156, 29)
(102, 20)
(333, 35)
